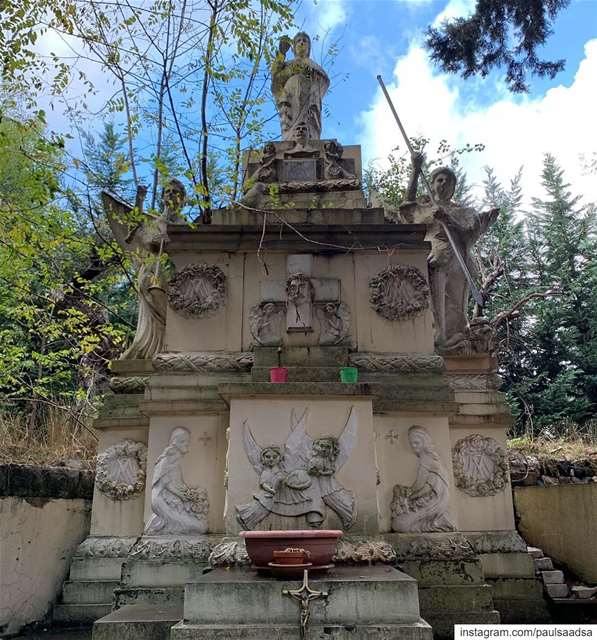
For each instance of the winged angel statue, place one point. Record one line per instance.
(299, 480)
(145, 242)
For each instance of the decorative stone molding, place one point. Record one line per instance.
(364, 552)
(105, 547)
(397, 362)
(480, 466)
(120, 471)
(399, 292)
(319, 186)
(229, 553)
(497, 542)
(209, 361)
(134, 384)
(195, 549)
(452, 546)
(198, 291)
(473, 381)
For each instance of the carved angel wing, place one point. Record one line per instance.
(348, 439)
(298, 444)
(252, 449)
(117, 211)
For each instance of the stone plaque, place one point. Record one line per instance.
(299, 170)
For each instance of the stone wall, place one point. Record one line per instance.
(44, 515)
(562, 521)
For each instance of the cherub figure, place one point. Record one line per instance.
(145, 243)
(303, 481)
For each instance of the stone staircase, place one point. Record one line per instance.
(88, 592)
(554, 584)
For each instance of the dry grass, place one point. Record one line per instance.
(563, 441)
(57, 441)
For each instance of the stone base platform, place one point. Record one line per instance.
(137, 622)
(411, 631)
(363, 602)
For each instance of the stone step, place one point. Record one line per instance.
(408, 631)
(455, 598)
(88, 591)
(80, 613)
(557, 590)
(95, 569)
(535, 552)
(582, 592)
(138, 622)
(543, 564)
(552, 577)
(442, 622)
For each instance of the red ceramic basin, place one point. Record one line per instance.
(321, 544)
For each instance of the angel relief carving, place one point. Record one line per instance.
(300, 478)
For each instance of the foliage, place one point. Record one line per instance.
(390, 182)
(547, 349)
(57, 327)
(505, 33)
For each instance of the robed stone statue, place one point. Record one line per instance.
(298, 86)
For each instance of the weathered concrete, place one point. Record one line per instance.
(41, 524)
(137, 622)
(358, 596)
(412, 631)
(561, 520)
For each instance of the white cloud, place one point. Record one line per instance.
(516, 131)
(326, 15)
(455, 9)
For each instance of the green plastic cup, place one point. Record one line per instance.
(349, 375)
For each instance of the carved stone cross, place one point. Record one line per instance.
(299, 291)
(392, 436)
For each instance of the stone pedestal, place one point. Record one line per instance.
(371, 602)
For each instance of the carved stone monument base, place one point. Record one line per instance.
(363, 602)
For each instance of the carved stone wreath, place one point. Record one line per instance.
(399, 292)
(480, 466)
(198, 291)
(120, 472)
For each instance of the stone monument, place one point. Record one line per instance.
(408, 461)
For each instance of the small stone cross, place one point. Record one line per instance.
(205, 438)
(299, 291)
(392, 436)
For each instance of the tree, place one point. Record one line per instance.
(500, 33)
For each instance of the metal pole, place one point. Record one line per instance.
(471, 283)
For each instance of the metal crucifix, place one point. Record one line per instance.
(304, 595)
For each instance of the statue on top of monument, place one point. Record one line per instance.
(449, 287)
(145, 242)
(298, 86)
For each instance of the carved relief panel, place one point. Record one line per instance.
(197, 291)
(120, 470)
(399, 292)
(298, 478)
(480, 465)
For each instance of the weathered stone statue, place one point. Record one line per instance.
(449, 288)
(298, 86)
(145, 242)
(423, 507)
(301, 480)
(176, 507)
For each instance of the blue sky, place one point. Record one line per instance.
(385, 36)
